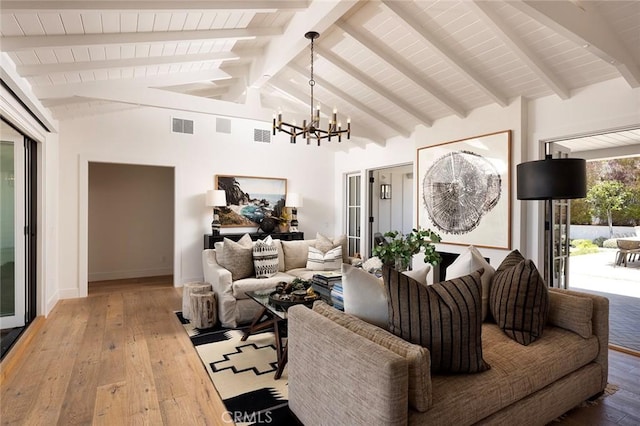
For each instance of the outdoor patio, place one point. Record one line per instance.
(597, 273)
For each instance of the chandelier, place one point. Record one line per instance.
(311, 130)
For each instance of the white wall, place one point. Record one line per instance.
(131, 220)
(142, 136)
(482, 121)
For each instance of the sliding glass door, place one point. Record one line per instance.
(12, 226)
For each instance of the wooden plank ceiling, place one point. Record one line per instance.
(388, 65)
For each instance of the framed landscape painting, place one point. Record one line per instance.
(250, 199)
(464, 190)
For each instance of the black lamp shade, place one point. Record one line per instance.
(552, 179)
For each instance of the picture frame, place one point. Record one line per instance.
(464, 190)
(250, 199)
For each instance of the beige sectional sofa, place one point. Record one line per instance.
(234, 306)
(339, 374)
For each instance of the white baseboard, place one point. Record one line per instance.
(50, 304)
(121, 275)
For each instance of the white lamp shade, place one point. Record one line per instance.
(293, 200)
(216, 198)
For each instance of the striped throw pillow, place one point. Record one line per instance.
(519, 299)
(265, 258)
(318, 261)
(445, 317)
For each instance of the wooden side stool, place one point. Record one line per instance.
(203, 309)
(187, 290)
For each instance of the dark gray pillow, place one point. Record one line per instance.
(519, 299)
(445, 317)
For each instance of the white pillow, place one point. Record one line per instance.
(318, 261)
(365, 296)
(265, 258)
(468, 262)
(419, 275)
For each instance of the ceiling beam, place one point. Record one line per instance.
(585, 26)
(518, 47)
(319, 16)
(44, 69)
(292, 93)
(165, 99)
(373, 85)
(353, 101)
(78, 89)
(394, 61)
(9, 6)
(445, 53)
(17, 43)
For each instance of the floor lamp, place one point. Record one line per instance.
(551, 179)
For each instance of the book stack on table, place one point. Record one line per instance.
(323, 282)
(336, 296)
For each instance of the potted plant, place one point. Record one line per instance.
(283, 221)
(398, 248)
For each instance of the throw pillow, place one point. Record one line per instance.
(445, 317)
(265, 258)
(519, 299)
(364, 296)
(296, 253)
(325, 244)
(471, 260)
(238, 257)
(419, 275)
(318, 261)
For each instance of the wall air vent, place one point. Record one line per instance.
(260, 135)
(223, 125)
(179, 125)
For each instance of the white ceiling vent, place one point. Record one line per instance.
(260, 135)
(180, 125)
(223, 125)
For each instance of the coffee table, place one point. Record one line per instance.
(272, 316)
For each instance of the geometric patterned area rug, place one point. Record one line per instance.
(242, 372)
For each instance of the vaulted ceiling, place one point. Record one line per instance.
(388, 65)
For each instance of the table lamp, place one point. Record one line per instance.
(293, 201)
(216, 198)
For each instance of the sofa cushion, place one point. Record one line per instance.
(325, 244)
(318, 261)
(571, 313)
(419, 274)
(445, 317)
(468, 261)
(417, 357)
(364, 296)
(516, 372)
(296, 253)
(237, 257)
(265, 258)
(519, 299)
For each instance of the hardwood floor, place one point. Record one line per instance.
(120, 357)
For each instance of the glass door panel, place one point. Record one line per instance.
(353, 213)
(12, 222)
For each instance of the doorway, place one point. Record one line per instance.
(18, 210)
(130, 222)
(591, 265)
(391, 201)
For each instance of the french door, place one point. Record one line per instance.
(12, 228)
(354, 210)
(557, 235)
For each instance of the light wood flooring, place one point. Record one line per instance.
(120, 357)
